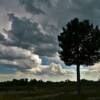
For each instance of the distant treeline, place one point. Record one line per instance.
(33, 84)
(25, 84)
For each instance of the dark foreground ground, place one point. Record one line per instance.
(33, 90)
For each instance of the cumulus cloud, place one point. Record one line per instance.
(18, 57)
(11, 52)
(52, 69)
(93, 72)
(46, 73)
(51, 72)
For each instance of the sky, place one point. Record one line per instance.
(28, 38)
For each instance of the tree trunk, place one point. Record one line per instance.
(78, 79)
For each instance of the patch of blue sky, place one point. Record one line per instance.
(45, 60)
(6, 70)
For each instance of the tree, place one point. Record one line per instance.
(79, 45)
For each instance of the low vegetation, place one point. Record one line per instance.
(38, 90)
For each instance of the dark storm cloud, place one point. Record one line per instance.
(31, 7)
(65, 10)
(2, 38)
(28, 34)
(37, 6)
(47, 49)
(10, 6)
(88, 8)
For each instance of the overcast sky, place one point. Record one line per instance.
(28, 38)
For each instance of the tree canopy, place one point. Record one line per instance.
(80, 43)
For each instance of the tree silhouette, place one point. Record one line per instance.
(80, 44)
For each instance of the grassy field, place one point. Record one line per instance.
(49, 91)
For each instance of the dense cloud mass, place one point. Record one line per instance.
(38, 6)
(28, 36)
(31, 7)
